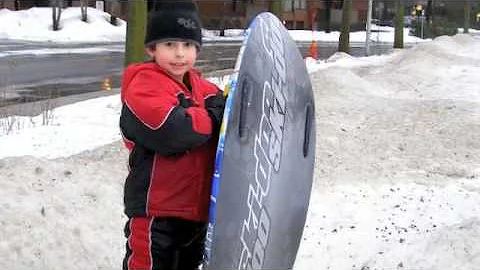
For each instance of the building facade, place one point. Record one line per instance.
(227, 14)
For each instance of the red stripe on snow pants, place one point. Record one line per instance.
(164, 243)
(139, 254)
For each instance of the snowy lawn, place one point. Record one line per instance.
(35, 24)
(396, 176)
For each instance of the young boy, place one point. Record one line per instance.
(170, 121)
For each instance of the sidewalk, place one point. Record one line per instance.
(37, 107)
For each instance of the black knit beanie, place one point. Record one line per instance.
(174, 20)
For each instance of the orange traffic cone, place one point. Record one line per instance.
(313, 51)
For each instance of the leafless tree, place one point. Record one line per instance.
(344, 40)
(294, 26)
(84, 8)
(429, 12)
(137, 17)
(223, 19)
(399, 12)
(467, 6)
(328, 14)
(115, 7)
(56, 13)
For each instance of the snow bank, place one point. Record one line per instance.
(72, 129)
(383, 34)
(64, 213)
(398, 154)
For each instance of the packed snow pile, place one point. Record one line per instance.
(398, 161)
(378, 34)
(229, 34)
(396, 175)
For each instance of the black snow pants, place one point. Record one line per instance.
(163, 244)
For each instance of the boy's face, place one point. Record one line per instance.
(176, 57)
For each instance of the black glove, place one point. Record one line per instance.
(185, 103)
(215, 106)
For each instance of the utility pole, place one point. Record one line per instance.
(369, 27)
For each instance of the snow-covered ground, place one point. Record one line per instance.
(35, 24)
(396, 176)
(398, 160)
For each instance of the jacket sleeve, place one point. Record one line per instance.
(215, 105)
(156, 120)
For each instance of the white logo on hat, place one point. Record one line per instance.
(187, 23)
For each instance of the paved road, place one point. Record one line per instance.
(35, 71)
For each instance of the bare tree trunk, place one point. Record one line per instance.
(137, 17)
(276, 8)
(84, 8)
(431, 15)
(223, 20)
(368, 27)
(466, 14)
(399, 12)
(294, 22)
(56, 13)
(115, 6)
(344, 42)
(429, 11)
(328, 15)
(16, 3)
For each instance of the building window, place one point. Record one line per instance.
(290, 5)
(302, 4)
(287, 5)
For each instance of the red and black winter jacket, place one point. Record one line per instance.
(171, 132)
